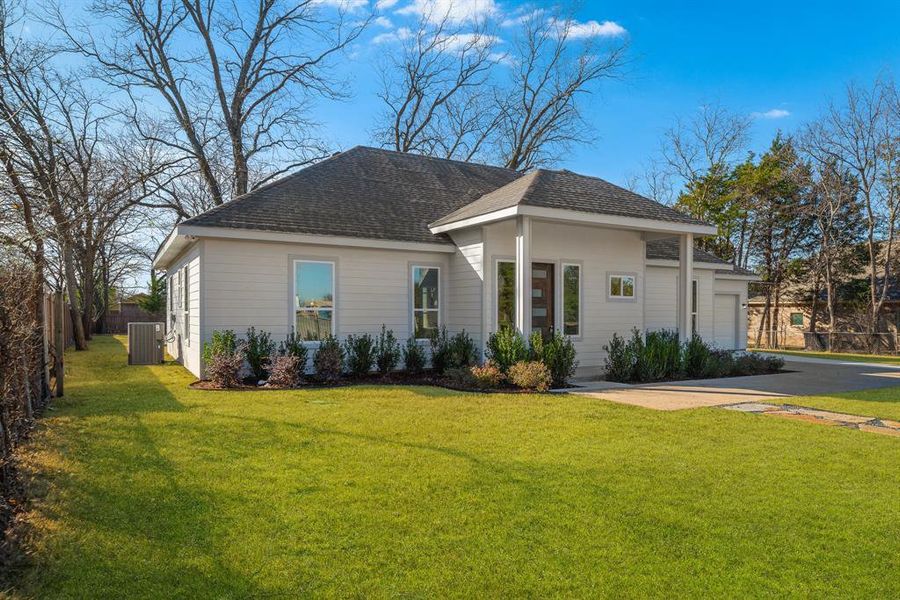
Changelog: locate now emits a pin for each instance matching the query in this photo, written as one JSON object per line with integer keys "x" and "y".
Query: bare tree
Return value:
{"x": 860, "y": 135}
{"x": 234, "y": 81}
{"x": 435, "y": 91}
{"x": 553, "y": 69}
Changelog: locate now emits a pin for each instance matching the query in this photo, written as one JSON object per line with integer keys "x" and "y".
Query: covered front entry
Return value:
{"x": 542, "y": 298}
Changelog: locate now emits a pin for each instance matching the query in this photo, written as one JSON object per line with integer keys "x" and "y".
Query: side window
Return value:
{"x": 426, "y": 301}
{"x": 571, "y": 299}
{"x": 313, "y": 299}
{"x": 694, "y": 307}
{"x": 506, "y": 294}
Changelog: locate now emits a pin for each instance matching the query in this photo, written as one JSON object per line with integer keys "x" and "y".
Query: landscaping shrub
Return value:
{"x": 284, "y": 371}
{"x": 696, "y": 358}
{"x": 293, "y": 346}
{"x": 461, "y": 377}
{"x": 463, "y": 351}
{"x": 360, "y": 353}
{"x": 440, "y": 351}
{"x": 557, "y": 352}
{"x": 487, "y": 376}
{"x": 222, "y": 342}
{"x": 257, "y": 350}
{"x": 661, "y": 357}
{"x": 387, "y": 351}
{"x": 222, "y": 367}
{"x": 505, "y": 348}
{"x": 619, "y": 359}
{"x": 720, "y": 364}
{"x": 754, "y": 364}
{"x": 413, "y": 357}
{"x": 328, "y": 361}
{"x": 637, "y": 351}
{"x": 530, "y": 375}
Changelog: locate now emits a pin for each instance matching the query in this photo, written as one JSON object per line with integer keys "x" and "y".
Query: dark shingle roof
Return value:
{"x": 363, "y": 192}
{"x": 570, "y": 191}
{"x": 667, "y": 249}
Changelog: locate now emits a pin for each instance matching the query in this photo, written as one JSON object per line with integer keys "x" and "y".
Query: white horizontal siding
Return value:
{"x": 186, "y": 348}
{"x": 248, "y": 284}
{"x": 464, "y": 308}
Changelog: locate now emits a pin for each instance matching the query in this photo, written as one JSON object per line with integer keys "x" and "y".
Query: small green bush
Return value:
{"x": 754, "y": 364}
{"x": 661, "y": 358}
{"x": 505, "y": 348}
{"x": 619, "y": 359}
{"x": 222, "y": 342}
{"x": 360, "y": 353}
{"x": 414, "y": 358}
{"x": 530, "y": 375}
{"x": 440, "y": 351}
{"x": 696, "y": 358}
{"x": 387, "y": 351}
{"x": 294, "y": 346}
{"x": 487, "y": 376}
{"x": 557, "y": 352}
{"x": 463, "y": 351}
{"x": 257, "y": 350}
{"x": 328, "y": 361}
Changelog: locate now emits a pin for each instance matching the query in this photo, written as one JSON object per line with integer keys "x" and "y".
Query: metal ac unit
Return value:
{"x": 145, "y": 343}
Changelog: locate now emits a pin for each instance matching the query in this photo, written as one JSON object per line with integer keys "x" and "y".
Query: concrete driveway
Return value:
{"x": 807, "y": 377}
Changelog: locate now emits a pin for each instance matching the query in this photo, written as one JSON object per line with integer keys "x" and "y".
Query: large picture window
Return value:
{"x": 426, "y": 301}
{"x": 571, "y": 289}
{"x": 506, "y": 294}
{"x": 313, "y": 299}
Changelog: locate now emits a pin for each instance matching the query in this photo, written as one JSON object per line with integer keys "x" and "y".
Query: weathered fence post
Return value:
{"x": 59, "y": 340}
{"x": 46, "y": 334}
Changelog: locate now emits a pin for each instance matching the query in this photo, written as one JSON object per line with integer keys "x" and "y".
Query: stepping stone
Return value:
{"x": 832, "y": 416}
{"x": 881, "y": 430}
{"x": 753, "y": 407}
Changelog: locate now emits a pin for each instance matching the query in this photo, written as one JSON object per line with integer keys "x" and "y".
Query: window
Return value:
{"x": 621, "y": 286}
{"x": 571, "y": 299}
{"x": 171, "y": 278}
{"x": 506, "y": 294}
{"x": 426, "y": 301}
{"x": 694, "y": 307}
{"x": 186, "y": 304}
{"x": 313, "y": 299}
{"x": 797, "y": 319}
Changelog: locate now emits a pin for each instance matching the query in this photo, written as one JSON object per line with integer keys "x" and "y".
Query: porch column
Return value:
{"x": 523, "y": 275}
{"x": 685, "y": 279}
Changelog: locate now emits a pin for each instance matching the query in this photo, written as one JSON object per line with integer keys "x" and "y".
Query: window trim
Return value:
{"x": 634, "y": 286}
{"x": 791, "y": 319}
{"x": 292, "y": 293}
{"x": 562, "y": 291}
{"x": 412, "y": 299}
{"x": 186, "y": 304}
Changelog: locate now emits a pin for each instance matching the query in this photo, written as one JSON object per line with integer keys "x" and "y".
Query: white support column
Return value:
{"x": 523, "y": 275}
{"x": 685, "y": 283}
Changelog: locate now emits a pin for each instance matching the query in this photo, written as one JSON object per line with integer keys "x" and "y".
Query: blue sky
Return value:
{"x": 789, "y": 57}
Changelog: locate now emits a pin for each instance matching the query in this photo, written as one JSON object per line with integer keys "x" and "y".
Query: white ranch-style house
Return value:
{"x": 371, "y": 237}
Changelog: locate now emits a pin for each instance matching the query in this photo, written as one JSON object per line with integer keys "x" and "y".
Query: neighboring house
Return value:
{"x": 371, "y": 237}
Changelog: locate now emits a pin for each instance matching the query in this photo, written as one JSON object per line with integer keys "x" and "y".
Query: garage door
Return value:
{"x": 725, "y": 325}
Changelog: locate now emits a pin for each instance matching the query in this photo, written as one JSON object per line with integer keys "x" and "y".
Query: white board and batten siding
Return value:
{"x": 183, "y": 327}
{"x": 731, "y": 296}
{"x": 661, "y": 304}
{"x": 466, "y": 274}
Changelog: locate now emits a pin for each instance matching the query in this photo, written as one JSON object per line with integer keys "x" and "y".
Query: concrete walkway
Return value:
{"x": 806, "y": 377}
{"x": 821, "y": 417}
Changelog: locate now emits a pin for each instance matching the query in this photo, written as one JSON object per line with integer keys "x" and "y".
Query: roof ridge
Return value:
{"x": 437, "y": 158}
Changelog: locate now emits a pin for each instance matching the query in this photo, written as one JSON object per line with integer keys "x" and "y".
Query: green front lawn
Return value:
{"x": 866, "y": 358}
{"x": 151, "y": 489}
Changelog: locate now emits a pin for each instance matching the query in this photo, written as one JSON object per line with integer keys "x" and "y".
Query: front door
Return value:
{"x": 542, "y": 298}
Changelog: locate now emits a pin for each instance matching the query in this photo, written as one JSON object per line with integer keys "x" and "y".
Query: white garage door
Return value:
{"x": 725, "y": 326}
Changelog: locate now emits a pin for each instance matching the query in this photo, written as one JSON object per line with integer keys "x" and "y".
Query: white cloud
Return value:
{"x": 518, "y": 19}
{"x": 774, "y": 113}
{"x": 385, "y": 4}
{"x": 402, "y": 33}
{"x": 592, "y": 29}
{"x": 383, "y": 22}
{"x": 457, "y": 11}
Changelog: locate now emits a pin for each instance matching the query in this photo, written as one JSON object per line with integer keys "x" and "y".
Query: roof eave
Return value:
{"x": 577, "y": 217}
{"x": 174, "y": 244}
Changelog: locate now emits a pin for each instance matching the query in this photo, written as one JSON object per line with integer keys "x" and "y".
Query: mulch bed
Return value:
{"x": 374, "y": 379}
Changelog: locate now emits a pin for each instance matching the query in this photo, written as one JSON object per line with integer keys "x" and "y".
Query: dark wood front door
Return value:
{"x": 542, "y": 309}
